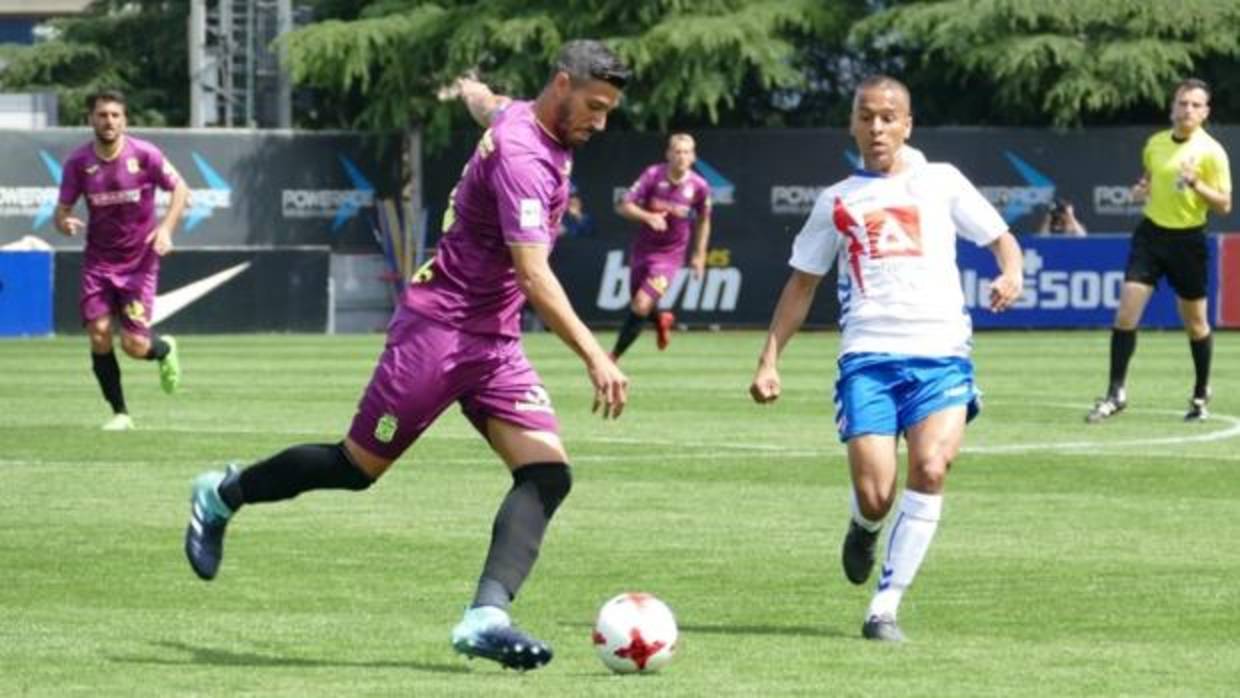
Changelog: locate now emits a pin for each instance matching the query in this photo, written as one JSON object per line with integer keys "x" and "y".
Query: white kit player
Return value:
{"x": 904, "y": 367}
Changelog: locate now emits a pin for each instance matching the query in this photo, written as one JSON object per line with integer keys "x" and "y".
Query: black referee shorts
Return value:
{"x": 1180, "y": 255}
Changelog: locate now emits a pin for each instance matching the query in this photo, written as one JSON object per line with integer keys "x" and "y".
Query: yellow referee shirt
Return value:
{"x": 1171, "y": 203}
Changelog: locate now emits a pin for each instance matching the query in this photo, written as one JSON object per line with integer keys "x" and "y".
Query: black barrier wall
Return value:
{"x": 257, "y": 188}
{"x": 212, "y": 291}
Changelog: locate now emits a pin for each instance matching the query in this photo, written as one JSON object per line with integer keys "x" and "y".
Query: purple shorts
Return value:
{"x": 427, "y": 366}
{"x": 128, "y": 294}
{"x": 653, "y": 272}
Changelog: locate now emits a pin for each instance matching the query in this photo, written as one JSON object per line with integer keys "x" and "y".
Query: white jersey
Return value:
{"x": 895, "y": 239}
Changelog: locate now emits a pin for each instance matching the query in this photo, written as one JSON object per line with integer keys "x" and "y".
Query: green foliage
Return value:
{"x": 1062, "y": 61}
{"x": 691, "y": 59}
{"x": 137, "y": 47}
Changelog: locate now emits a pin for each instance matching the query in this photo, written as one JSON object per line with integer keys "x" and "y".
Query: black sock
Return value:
{"x": 1202, "y": 350}
{"x": 1123, "y": 344}
{"x": 158, "y": 349}
{"x": 108, "y": 372}
{"x": 291, "y": 472}
{"x": 628, "y": 332}
{"x": 516, "y": 535}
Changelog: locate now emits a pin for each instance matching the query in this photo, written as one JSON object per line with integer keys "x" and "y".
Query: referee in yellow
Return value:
{"x": 1186, "y": 176}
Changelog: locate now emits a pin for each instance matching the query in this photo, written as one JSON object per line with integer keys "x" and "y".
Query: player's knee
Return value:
{"x": 930, "y": 474}
{"x": 552, "y": 480}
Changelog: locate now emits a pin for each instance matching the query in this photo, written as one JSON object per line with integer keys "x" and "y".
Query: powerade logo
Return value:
{"x": 789, "y": 199}
{"x": 1116, "y": 200}
{"x": 1051, "y": 289}
{"x": 1017, "y": 202}
{"x": 722, "y": 191}
{"x": 40, "y": 202}
{"x": 337, "y": 204}
{"x": 203, "y": 201}
{"x": 35, "y": 202}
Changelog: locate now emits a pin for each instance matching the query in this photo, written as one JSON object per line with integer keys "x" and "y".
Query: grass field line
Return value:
{"x": 1230, "y": 432}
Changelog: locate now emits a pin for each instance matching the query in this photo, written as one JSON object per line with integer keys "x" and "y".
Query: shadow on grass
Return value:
{"x": 221, "y": 657}
{"x": 768, "y": 630}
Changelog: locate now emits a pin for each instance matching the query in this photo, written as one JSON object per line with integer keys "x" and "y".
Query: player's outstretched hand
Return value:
{"x": 1004, "y": 291}
{"x": 765, "y": 387}
{"x": 657, "y": 220}
{"x": 611, "y": 387}
{"x": 72, "y": 226}
{"x": 161, "y": 239}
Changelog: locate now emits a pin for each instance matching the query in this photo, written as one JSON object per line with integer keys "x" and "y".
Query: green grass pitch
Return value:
{"x": 1072, "y": 560}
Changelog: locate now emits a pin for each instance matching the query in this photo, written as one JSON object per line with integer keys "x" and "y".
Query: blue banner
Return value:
{"x": 25, "y": 293}
{"x": 1068, "y": 283}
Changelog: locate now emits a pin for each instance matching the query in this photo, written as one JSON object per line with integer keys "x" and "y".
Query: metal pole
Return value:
{"x": 197, "y": 45}
{"x": 284, "y": 97}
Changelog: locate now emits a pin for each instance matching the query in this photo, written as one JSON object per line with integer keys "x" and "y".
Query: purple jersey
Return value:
{"x": 513, "y": 192}
{"x": 120, "y": 198}
{"x": 685, "y": 203}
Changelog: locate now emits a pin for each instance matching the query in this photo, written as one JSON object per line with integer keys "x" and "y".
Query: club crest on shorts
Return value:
{"x": 536, "y": 399}
{"x": 385, "y": 429}
{"x": 659, "y": 283}
{"x": 134, "y": 310}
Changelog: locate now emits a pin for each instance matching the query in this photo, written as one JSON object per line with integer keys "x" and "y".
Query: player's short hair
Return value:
{"x": 883, "y": 81}
{"x": 680, "y": 137}
{"x": 587, "y": 59}
{"x": 1191, "y": 84}
{"x": 105, "y": 96}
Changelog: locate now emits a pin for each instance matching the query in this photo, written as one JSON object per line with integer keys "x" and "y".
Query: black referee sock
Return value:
{"x": 1123, "y": 345}
{"x": 628, "y": 332}
{"x": 517, "y": 534}
{"x": 108, "y": 373}
{"x": 291, "y": 472}
{"x": 1202, "y": 350}
{"x": 158, "y": 349}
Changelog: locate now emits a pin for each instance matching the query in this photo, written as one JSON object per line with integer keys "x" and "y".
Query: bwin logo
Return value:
{"x": 1017, "y": 202}
{"x": 338, "y": 204}
{"x": 717, "y": 290}
{"x": 722, "y": 191}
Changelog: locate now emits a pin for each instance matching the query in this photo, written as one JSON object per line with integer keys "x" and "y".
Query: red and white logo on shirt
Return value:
{"x": 894, "y": 231}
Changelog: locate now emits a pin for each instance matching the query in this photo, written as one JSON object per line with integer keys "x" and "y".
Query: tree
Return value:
{"x": 88, "y": 54}
{"x": 1063, "y": 62}
{"x": 691, "y": 59}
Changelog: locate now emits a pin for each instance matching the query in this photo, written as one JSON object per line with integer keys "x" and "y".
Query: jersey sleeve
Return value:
{"x": 70, "y": 183}
{"x": 976, "y": 220}
{"x": 639, "y": 193}
{"x": 523, "y": 185}
{"x": 1216, "y": 170}
{"x": 161, "y": 171}
{"x": 816, "y": 247}
{"x": 701, "y": 207}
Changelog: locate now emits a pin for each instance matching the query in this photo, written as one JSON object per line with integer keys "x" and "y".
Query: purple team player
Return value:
{"x": 118, "y": 175}
{"x": 455, "y": 338}
{"x": 670, "y": 201}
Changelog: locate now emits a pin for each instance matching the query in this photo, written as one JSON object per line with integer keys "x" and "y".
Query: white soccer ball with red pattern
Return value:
{"x": 635, "y": 633}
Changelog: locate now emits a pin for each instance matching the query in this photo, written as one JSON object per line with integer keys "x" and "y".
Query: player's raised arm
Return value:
{"x": 790, "y": 313}
{"x": 481, "y": 102}
{"x": 543, "y": 290}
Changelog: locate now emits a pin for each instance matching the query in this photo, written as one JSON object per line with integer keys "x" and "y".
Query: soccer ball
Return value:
{"x": 635, "y": 633}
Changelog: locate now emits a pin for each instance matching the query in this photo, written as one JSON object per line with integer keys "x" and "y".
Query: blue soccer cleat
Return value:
{"x": 487, "y": 632}
{"x": 208, "y": 517}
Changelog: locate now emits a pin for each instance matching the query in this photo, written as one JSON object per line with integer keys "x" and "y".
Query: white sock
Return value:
{"x": 916, "y": 522}
{"x": 871, "y": 526}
